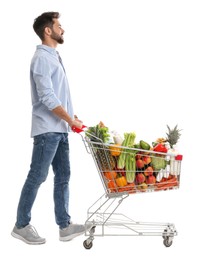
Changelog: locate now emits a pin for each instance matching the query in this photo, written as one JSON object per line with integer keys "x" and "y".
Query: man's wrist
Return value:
{"x": 70, "y": 122}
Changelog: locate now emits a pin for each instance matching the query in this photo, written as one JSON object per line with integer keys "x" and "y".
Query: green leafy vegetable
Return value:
{"x": 98, "y": 133}
{"x": 158, "y": 163}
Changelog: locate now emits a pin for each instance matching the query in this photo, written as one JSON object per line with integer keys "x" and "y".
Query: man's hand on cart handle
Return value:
{"x": 77, "y": 125}
{"x": 78, "y": 130}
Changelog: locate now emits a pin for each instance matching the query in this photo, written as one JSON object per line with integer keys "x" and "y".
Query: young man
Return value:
{"x": 52, "y": 119}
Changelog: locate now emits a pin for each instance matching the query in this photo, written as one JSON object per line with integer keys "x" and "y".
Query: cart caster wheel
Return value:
{"x": 167, "y": 242}
{"x": 165, "y": 230}
{"x": 87, "y": 244}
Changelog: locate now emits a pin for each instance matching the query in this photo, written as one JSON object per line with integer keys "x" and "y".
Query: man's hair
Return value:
{"x": 43, "y": 21}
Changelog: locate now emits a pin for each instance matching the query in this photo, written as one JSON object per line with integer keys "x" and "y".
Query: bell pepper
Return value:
{"x": 121, "y": 180}
{"x": 160, "y": 148}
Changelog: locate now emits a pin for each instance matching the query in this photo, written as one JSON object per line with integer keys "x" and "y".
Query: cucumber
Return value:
{"x": 144, "y": 145}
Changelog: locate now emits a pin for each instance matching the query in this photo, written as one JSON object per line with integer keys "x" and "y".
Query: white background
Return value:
{"x": 131, "y": 64}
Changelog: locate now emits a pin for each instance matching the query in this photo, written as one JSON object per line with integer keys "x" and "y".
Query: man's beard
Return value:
{"x": 57, "y": 37}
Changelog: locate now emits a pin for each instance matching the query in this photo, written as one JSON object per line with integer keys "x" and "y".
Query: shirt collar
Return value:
{"x": 47, "y": 48}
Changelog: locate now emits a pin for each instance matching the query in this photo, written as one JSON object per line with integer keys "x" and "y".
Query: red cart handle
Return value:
{"x": 78, "y": 130}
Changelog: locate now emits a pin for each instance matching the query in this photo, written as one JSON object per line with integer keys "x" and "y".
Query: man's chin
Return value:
{"x": 61, "y": 41}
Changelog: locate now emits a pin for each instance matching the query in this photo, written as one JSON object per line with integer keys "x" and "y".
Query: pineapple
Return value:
{"x": 105, "y": 160}
{"x": 100, "y": 135}
{"x": 173, "y": 135}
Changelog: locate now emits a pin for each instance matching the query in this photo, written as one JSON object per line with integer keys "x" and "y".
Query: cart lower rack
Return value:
{"x": 104, "y": 220}
{"x": 153, "y": 171}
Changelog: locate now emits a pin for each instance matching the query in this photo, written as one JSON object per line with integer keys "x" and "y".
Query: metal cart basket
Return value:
{"x": 157, "y": 172}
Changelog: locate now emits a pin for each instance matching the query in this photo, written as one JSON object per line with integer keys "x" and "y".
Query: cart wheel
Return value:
{"x": 87, "y": 244}
{"x": 167, "y": 242}
{"x": 165, "y": 230}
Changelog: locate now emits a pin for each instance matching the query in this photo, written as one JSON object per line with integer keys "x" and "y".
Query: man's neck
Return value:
{"x": 52, "y": 44}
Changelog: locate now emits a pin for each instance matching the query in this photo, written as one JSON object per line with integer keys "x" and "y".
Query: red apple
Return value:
{"x": 151, "y": 179}
{"x": 139, "y": 163}
{"x": 140, "y": 178}
{"x": 146, "y": 159}
{"x": 148, "y": 171}
{"x": 138, "y": 156}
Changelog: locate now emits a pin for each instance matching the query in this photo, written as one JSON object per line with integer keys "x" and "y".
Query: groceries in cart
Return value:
{"x": 127, "y": 165}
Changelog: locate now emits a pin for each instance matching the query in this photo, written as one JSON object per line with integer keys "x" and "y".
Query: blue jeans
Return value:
{"x": 49, "y": 149}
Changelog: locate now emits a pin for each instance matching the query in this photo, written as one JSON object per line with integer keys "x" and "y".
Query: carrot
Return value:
{"x": 129, "y": 187}
{"x": 111, "y": 175}
{"x": 167, "y": 184}
{"x": 112, "y": 186}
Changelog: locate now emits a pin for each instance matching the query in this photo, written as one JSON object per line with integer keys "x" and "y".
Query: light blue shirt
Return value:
{"x": 49, "y": 89}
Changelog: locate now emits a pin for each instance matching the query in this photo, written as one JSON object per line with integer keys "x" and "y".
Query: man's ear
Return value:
{"x": 47, "y": 31}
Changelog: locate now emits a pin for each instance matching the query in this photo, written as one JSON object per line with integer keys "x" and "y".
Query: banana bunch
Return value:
{"x": 161, "y": 140}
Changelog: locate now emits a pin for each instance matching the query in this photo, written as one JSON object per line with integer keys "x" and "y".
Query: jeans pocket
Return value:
{"x": 39, "y": 142}
{"x": 39, "y": 139}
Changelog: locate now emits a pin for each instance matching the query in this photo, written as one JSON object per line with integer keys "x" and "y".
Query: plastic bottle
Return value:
{"x": 177, "y": 164}
{"x": 173, "y": 153}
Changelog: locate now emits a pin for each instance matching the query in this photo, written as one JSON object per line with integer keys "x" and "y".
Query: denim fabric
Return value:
{"x": 48, "y": 149}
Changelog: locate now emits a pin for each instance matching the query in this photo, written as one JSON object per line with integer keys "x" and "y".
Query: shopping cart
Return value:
{"x": 102, "y": 216}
